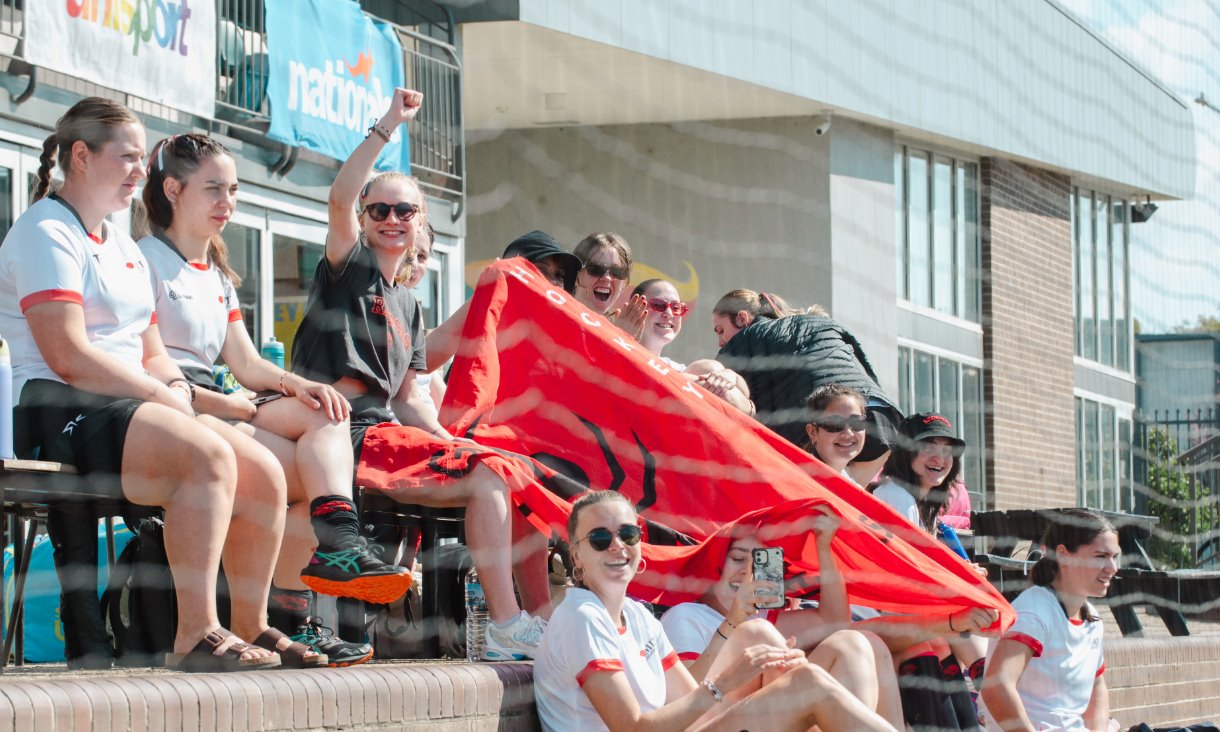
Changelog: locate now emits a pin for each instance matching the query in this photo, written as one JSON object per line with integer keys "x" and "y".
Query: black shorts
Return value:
{"x": 54, "y": 421}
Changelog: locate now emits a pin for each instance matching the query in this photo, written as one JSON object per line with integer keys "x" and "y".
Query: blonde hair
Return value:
{"x": 761, "y": 305}
{"x": 408, "y": 265}
{"x": 93, "y": 121}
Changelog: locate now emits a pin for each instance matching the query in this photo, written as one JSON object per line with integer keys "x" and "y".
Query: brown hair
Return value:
{"x": 592, "y": 243}
{"x": 583, "y": 501}
{"x": 408, "y": 263}
{"x": 820, "y": 399}
{"x": 1073, "y": 528}
{"x": 92, "y": 121}
{"x": 178, "y": 157}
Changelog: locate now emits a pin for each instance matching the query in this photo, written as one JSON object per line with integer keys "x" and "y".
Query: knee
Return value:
{"x": 813, "y": 680}
{"x": 758, "y": 630}
{"x": 881, "y": 652}
{"x": 213, "y": 462}
{"x": 267, "y": 474}
{"x": 851, "y": 644}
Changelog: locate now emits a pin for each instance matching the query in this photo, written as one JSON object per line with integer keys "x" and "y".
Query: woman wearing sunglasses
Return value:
{"x": 606, "y": 664}
{"x": 605, "y": 270}
{"x": 363, "y": 332}
{"x": 836, "y": 427}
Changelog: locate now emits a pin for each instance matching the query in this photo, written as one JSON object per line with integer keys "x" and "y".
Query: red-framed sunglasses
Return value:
{"x": 657, "y": 305}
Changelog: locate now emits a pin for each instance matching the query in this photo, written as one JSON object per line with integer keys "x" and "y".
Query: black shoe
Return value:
{"x": 355, "y": 572}
{"x": 339, "y": 652}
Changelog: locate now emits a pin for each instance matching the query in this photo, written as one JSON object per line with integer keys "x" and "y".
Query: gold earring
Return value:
{"x": 643, "y": 565}
{"x": 578, "y": 575}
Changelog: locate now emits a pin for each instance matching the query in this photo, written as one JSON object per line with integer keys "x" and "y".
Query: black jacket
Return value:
{"x": 784, "y": 360}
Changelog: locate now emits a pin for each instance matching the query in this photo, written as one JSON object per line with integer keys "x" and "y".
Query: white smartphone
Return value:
{"x": 769, "y": 567}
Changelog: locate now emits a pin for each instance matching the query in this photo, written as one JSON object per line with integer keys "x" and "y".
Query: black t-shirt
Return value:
{"x": 359, "y": 326}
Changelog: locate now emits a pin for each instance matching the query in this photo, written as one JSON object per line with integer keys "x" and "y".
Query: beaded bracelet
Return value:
{"x": 382, "y": 132}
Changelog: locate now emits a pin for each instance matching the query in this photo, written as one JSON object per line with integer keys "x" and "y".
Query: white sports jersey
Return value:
{"x": 49, "y": 256}
{"x": 898, "y": 499}
{"x": 195, "y": 304}
{"x": 580, "y": 640}
{"x": 1058, "y": 682}
{"x": 689, "y": 626}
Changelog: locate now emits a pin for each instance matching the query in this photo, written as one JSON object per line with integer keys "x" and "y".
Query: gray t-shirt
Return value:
{"x": 358, "y": 325}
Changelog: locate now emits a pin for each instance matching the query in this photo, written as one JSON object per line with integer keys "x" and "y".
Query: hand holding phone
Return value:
{"x": 768, "y": 567}
{"x": 264, "y": 398}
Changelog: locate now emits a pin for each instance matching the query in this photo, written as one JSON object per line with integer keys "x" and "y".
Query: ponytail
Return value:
{"x": 1070, "y": 528}
{"x": 46, "y": 161}
{"x": 92, "y": 121}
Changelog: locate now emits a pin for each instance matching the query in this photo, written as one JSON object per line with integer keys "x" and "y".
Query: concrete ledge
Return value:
{"x": 383, "y": 696}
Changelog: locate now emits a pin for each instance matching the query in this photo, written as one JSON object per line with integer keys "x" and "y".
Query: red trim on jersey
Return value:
{"x": 96, "y": 239}
{"x": 688, "y": 656}
{"x": 202, "y": 266}
{"x": 1033, "y": 643}
{"x": 597, "y": 664}
{"x": 154, "y": 318}
{"x": 38, "y": 298}
{"x": 1101, "y": 670}
{"x": 1076, "y": 621}
{"x": 773, "y": 614}
{"x": 623, "y": 630}
{"x": 234, "y": 316}
{"x": 668, "y": 662}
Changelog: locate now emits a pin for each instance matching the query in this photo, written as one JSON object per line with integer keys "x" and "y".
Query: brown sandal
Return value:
{"x": 295, "y": 655}
{"x": 203, "y": 658}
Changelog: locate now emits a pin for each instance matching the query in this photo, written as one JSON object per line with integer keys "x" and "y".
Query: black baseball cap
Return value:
{"x": 926, "y": 425}
{"x": 537, "y": 246}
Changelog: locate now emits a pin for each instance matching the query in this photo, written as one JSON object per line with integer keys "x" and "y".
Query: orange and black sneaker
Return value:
{"x": 355, "y": 572}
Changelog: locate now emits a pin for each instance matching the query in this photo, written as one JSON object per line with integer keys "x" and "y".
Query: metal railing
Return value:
{"x": 12, "y": 18}
{"x": 1177, "y": 477}
{"x": 431, "y": 66}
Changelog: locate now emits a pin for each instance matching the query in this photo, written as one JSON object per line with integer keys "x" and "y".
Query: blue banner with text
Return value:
{"x": 333, "y": 71}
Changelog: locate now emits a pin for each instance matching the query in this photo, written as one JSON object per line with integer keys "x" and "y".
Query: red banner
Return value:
{"x": 541, "y": 375}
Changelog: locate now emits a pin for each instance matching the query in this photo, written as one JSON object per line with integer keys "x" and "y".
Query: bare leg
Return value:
{"x": 170, "y": 461}
{"x": 848, "y": 656}
{"x": 299, "y": 540}
{"x": 530, "y": 567}
{"x": 255, "y": 529}
{"x": 889, "y": 702}
{"x": 804, "y": 696}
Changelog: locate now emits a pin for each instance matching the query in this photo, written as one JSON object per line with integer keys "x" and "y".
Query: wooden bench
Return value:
{"x": 30, "y": 488}
{"x": 1139, "y": 582}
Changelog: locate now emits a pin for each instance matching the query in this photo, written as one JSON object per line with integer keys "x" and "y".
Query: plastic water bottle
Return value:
{"x": 476, "y": 616}
{"x": 273, "y": 351}
{"x": 6, "y": 402}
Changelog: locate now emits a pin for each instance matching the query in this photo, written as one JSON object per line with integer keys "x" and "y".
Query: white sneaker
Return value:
{"x": 516, "y": 641}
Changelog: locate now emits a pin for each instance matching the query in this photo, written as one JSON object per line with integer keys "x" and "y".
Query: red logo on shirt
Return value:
{"x": 395, "y": 326}
{"x": 378, "y": 305}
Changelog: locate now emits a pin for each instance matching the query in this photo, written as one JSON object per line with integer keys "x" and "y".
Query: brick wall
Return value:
{"x": 1165, "y": 682}
{"x": 1028, "y": 336}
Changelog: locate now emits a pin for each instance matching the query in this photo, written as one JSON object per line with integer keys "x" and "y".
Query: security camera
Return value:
{"x": 823, "y": 125}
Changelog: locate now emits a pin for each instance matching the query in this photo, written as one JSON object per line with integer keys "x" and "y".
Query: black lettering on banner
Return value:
{"x": 878, "y": 530}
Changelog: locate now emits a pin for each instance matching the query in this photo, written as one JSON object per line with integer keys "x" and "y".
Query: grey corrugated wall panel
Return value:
{"x": 1020, "y": 79}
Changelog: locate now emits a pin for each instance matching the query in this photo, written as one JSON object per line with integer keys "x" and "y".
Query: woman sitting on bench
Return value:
{"x": 190, "y": 195}
{"x": 98, "y": 390}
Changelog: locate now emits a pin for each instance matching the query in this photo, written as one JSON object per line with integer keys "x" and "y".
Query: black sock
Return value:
{"x": 334, "y": 522}
{"x": 288, "y": 610}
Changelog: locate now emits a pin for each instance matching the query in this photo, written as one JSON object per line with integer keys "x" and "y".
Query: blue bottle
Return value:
{"x": 273, "y": 351}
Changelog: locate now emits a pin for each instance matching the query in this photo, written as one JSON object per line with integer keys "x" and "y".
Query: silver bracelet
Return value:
{"x": 711, "y": 686}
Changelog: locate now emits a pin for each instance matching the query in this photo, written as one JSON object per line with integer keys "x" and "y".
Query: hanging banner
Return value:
{"x": 160, "y": 50}
{"x": 333, "y": 73}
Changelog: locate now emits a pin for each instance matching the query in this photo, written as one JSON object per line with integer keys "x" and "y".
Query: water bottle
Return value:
{"x": 6, "y": 402}
{"x": 273, "y": 351}
{"x": 476, "y": 616}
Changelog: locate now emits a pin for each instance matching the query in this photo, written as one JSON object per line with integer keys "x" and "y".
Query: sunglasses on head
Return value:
{"x": 598, "y": 271}
{"x": 855, "y": 423}
{"x": 381, "y": 211}
{"x": 657, "y": 305}
{"x": 600, "y": 538}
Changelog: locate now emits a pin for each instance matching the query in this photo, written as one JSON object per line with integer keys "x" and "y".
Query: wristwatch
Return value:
{"x": 711, "y": 686}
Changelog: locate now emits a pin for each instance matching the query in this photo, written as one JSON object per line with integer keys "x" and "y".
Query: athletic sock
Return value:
{"x": 287, "y": 610}
{"x": 335, "y": 522}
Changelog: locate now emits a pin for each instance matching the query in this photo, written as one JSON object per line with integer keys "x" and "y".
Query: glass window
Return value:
{"x": 1118, "y": 250}
{"x": 943, "y": 261}
{"x": 919, "y": 266}
{"x": 1108, "y": 485}
{"x": 1126, "y": 498}
{"x": 1080, "y": 440}
{"x": 904, "y": 380}
{"x": 295, "y": 261}
{"x": 430, "y": 292}
{"x": 242, "y": 242}
{"x": 6, "y": 201}
{"x": 900, "y": 234}
{"x": 1088, "y": 334}
{"x": 949, "y": 403}
{"x": 1092, "y": 468}
{"x": 1105, "y": 326}
{"x": 967, "y": 241}
{"x": 975, "y": 459}
{"x": 925, "y": 383}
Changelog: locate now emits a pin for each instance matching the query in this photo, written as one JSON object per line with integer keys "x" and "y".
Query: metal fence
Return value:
{"x": 431, "y": 66}
{"x": 1177, "y": 478}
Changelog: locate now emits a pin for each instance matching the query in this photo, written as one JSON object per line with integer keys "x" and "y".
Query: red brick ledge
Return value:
{"x": 434, "y": 696}
{"x": 1164, "y": 681}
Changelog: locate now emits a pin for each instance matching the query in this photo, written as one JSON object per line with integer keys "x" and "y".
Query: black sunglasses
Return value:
{"x": 600, "y": 538}
{"x": 381, "y": 211}
{"x": 599, "y": 271}
{"x": 855, "y": 423}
